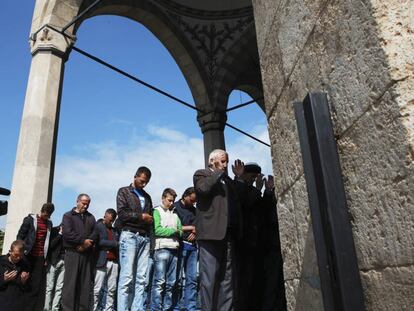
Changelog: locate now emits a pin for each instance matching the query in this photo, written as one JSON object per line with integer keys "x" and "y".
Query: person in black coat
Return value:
{"x": 14, "y": 273}
{"x": 35, "y": 232}
{"x": 218, "y": 226}
{"x": 106, "y": 273}
{"x": 78, "y": 240}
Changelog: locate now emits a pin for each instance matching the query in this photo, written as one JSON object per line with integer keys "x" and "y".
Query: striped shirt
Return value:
{"x": 39, "y": 245}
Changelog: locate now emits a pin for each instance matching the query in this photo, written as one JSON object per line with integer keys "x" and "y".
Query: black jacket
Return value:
{"x": 11, "y": 292}
{"x": 77, "y": 228}
{"x": 187, "y": 216}
{"x": 27, "y": 233}
{"x": 104, "y": 244}
{"x": 55, "y": 246}
{"x": 130, "y": 210}
{"x": 219, "y": 205}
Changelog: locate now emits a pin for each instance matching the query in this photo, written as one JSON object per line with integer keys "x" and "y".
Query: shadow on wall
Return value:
{"x": 309, "y": 294}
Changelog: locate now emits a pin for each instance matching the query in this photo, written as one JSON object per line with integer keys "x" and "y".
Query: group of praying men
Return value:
{"x": 218, "y": 242}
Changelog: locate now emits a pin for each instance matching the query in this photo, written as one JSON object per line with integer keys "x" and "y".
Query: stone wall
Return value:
{"x": 361, "y": 53}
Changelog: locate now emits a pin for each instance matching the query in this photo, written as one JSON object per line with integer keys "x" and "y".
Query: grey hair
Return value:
{"x": 214, "y": 154}
{"x": 80, "y": 196}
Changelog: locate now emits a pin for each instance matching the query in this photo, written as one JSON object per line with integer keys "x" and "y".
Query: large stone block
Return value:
{"x": 264, "y": 15}
{"x": 272, "y": 73}
{"x": 378, "y": 171}
{"x": 289, "y": 237}
{"x": 291, "y": 289}
{"x": 389, "y": 289}
{"x": 395, "y": 20}
{"x": 293, "y": 24}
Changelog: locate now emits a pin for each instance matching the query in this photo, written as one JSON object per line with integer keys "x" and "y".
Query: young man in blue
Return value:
{"x": 134, "y": 207}
{"x": 187, "y": 291}
{"x": 167, "y": 234}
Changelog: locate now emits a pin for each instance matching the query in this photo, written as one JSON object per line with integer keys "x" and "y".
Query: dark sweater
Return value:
{"x": 187, "y": 215}
{"x": 11, "y": 292}
{"x": 104, "y": 244}
{"x": 77, "y": 228}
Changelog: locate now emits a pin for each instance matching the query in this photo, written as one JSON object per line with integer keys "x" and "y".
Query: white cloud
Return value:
{"x": 172, "y": 156}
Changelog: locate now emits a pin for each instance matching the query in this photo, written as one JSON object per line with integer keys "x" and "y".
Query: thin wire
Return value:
{"x": 102, "y": 62}
{"x": 244, "y": 104}
{"x": 80, "y": 15}
{"x": 122, "y": 72}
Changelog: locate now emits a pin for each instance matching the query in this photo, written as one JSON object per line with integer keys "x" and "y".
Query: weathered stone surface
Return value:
{"x": 390, "y": 289}
{"x": 289, "y": 237}
{"x": 56, "y": 13}
{"x": 272, "y": 69}
{"x": 294, "y": 23}
{"x": 395, "y": 21}
{"x": 291, "y": 288}
{"x": 355, "y": 51}
{"x": 282, "y": 131}
{"x": 264, "y": 15}
{"x": 378, "y": 170}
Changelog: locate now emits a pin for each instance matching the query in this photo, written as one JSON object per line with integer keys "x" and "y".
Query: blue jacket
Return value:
{"x": 104, "y": 245}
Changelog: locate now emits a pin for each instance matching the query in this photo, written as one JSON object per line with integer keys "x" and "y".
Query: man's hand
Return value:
{"x": 147, "y": 218}
{"x": 259, "y": 181}
{"x": 191, "y": 237}
{"x": 8, "y": 276}
{"x": 24, "y": 276}
{"x": 269, "y": 183}
{"x": 80, "y": 249}
{"x": 238, "y": 168}
{"x": 87, "y": 243}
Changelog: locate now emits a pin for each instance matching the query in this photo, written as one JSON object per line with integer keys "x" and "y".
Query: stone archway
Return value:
{"x": 198, "y": 37}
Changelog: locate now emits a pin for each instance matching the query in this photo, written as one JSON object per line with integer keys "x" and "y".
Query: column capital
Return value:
{"x": 49, "y": 39}
{"x": 212, "y": 120}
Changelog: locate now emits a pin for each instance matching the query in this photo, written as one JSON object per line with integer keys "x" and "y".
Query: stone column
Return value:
{"x": 212, "y": 126}
{"x": 35, "y": 158}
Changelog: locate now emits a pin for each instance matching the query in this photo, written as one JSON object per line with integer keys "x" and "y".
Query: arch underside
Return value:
{"x": 216, "y": 53}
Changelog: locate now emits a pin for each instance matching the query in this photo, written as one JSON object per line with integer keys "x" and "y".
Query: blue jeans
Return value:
{"x": 165, "y": 270}
{"x": 133, "y": 259}
{"x": 187, "y": 275}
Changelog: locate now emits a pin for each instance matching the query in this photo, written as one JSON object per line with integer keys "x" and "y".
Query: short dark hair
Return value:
{"x": 18, "y": 244}
{"x": 143, "y": 170}
{"x": 112, "y": 212}
{"x": 252, "y": 167}
{"x": 48, "y": 208}
{"x": 170, "y": 192}
{"x": 82, "y": 195}
{"x": 187, "y": 192}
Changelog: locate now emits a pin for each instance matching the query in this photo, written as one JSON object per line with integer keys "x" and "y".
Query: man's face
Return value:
{"x": 108, "y": 220}
{"x": 220, "y": 162}
{"x": 140, "y": 181}
{"x": 44, "y": 215}
{"x": 82, "y": 204}
{"x": 190, "y": 200}
{"x": 16, "y": 255}
{"x": 168, "y": 200}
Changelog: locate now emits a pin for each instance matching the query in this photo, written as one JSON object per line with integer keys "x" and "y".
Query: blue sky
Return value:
{"x": 110, "y": 125}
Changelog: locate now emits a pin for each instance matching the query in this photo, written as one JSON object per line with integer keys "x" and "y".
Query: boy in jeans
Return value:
{"x": 167, "y": 233}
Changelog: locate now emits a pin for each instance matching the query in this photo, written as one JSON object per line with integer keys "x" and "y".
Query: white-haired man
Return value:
{"x": 218, "y": 226}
